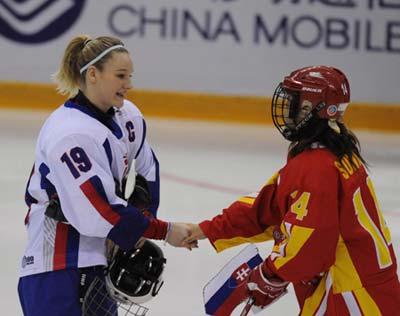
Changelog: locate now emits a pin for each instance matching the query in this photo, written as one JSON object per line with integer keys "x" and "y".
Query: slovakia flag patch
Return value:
{"x": 228, "y": 288}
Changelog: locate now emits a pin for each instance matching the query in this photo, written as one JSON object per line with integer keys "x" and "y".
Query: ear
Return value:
{"x": 91, "y": 74}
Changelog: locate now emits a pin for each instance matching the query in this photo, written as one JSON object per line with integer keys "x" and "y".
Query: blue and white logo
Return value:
{"x": 36, "y": 21}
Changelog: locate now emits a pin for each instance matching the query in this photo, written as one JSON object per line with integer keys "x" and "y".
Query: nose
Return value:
{"x": 128, "y": 84}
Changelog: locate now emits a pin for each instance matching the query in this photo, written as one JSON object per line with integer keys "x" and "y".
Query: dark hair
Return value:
{"x": 340, "y": 144}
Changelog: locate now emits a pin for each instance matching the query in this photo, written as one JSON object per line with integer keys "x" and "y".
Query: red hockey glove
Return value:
{"x": 263, "y": 288}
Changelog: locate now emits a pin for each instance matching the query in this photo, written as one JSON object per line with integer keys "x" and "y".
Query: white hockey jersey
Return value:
{"x": 82, "y": 155}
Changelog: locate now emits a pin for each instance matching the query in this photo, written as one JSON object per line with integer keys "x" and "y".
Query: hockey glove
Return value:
{"x": 54, "y": 211}
{"x": 141, "y": 196}
{"x": 265, "y": 288}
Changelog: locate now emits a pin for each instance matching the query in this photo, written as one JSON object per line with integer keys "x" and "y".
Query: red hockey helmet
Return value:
{"x": 317, "y": 92}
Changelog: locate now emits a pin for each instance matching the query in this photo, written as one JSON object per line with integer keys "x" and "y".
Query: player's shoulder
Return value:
{"x": 317, "y": 160}
{"x": 65, "y": 123}
{"x": 130, "y": 109}
{"x": 76, "y": 121}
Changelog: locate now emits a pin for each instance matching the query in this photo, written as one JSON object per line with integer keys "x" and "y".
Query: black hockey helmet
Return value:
{"x": 135, "y": 276}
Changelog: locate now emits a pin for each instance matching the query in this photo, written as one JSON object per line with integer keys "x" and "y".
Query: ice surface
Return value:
{"x": 204, "y": 167}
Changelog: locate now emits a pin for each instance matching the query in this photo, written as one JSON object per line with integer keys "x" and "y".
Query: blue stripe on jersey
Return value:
{"x": 143, "y": 138}
{"x": 107, "y": 148}
{"x": 29, "y": 199}
{"x": 154, "y": 187}
{"x": 45, "y": 183}
{"x": 116, "y": 130}
{"x": 98, "y": 185}
{"x": 72, "y": 248}
{"x": 110, "y": 124}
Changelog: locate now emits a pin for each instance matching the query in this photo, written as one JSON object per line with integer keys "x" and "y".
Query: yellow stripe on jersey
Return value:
{"x": 273, "y": 179}
{"x": 222, "y": 244}
{"x": 298, "y": 237}
{"x": 364, "y": 218}
{"x": 367, "y": 304}
{"x": 312, "y": 303}
{"x": 247, "y": 200}
{"x": 384, "y": 227}
{"x": 344, "y": 275}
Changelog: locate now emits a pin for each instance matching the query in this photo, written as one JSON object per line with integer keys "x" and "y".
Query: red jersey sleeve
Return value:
{"x": 309, "y": 191}
{"x": 252, "y": 218}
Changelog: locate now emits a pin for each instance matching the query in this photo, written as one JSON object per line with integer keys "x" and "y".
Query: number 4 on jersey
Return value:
{"x": 299, "y": 207}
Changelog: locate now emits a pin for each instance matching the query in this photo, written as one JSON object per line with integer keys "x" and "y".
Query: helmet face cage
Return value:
{"x": 307, "y": 95}
{"x": 285, "y": 107}
{"x": 99, "y": 301}
{"x": 136, "y": 276}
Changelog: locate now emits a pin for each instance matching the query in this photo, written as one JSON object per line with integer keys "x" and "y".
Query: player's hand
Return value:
{"x": 177, "y": 233}
{"x": 265, "y": 288}
{"x": 195, "y": 234}
{"x": 140, "y": 197}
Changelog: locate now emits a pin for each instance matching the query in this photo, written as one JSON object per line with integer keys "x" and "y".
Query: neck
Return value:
{"x": 83, "y": 100}
{"x": 93, "y": 99}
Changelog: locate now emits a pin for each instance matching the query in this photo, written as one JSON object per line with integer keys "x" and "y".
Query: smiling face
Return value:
{"x": 108, "y": 87}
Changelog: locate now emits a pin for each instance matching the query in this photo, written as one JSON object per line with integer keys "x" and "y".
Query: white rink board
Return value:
{"x": 238, "y": 47}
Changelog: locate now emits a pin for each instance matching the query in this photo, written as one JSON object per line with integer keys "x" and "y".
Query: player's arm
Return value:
{"x": 307, "y": 244}
{"x": 310, "y": 229}
{"x": 147, "y": 165}
{"x": 250, "y": 219}
{"x": 79, "y": 169}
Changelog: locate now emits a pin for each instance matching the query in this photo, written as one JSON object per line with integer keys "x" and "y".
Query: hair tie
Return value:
{"x": 86, "y": 42}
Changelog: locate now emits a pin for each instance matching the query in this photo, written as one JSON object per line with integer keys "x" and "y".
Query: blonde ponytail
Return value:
{"x": 68, "y": 77}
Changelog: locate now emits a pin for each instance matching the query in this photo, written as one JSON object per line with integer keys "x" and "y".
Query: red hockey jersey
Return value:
{"x": 331, "y": 240}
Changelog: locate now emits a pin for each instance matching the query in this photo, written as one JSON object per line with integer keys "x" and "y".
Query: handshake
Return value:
{"x": 260, "y": 287}
{"x": 185, "y": 235}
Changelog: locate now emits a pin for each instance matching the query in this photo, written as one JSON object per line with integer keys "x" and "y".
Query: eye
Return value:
{"x": 121, "y": 76}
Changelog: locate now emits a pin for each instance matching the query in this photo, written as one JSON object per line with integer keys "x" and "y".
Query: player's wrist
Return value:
{"x": 157, "y": 229}
{"x": 269, "y": 276}
{"x": 204, "y": 229}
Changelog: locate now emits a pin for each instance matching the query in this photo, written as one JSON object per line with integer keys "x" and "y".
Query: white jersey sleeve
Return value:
{"x": 146, "y": 162}
{"x": 85, "y": 186}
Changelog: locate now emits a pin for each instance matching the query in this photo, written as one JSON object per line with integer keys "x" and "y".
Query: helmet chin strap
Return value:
{"x": 333, "y": 125}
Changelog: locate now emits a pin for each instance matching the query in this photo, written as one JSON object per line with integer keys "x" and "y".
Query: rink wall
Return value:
{"x": 211, "y": 59}
{"x": 161, "y": 104}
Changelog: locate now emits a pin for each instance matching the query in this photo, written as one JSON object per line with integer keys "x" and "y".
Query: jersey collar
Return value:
{"x": 83, "y": 104}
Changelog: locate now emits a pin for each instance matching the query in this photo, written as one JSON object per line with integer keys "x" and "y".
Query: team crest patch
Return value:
{"x": 332, "y": 110}
{"x": 240, "y": 275}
